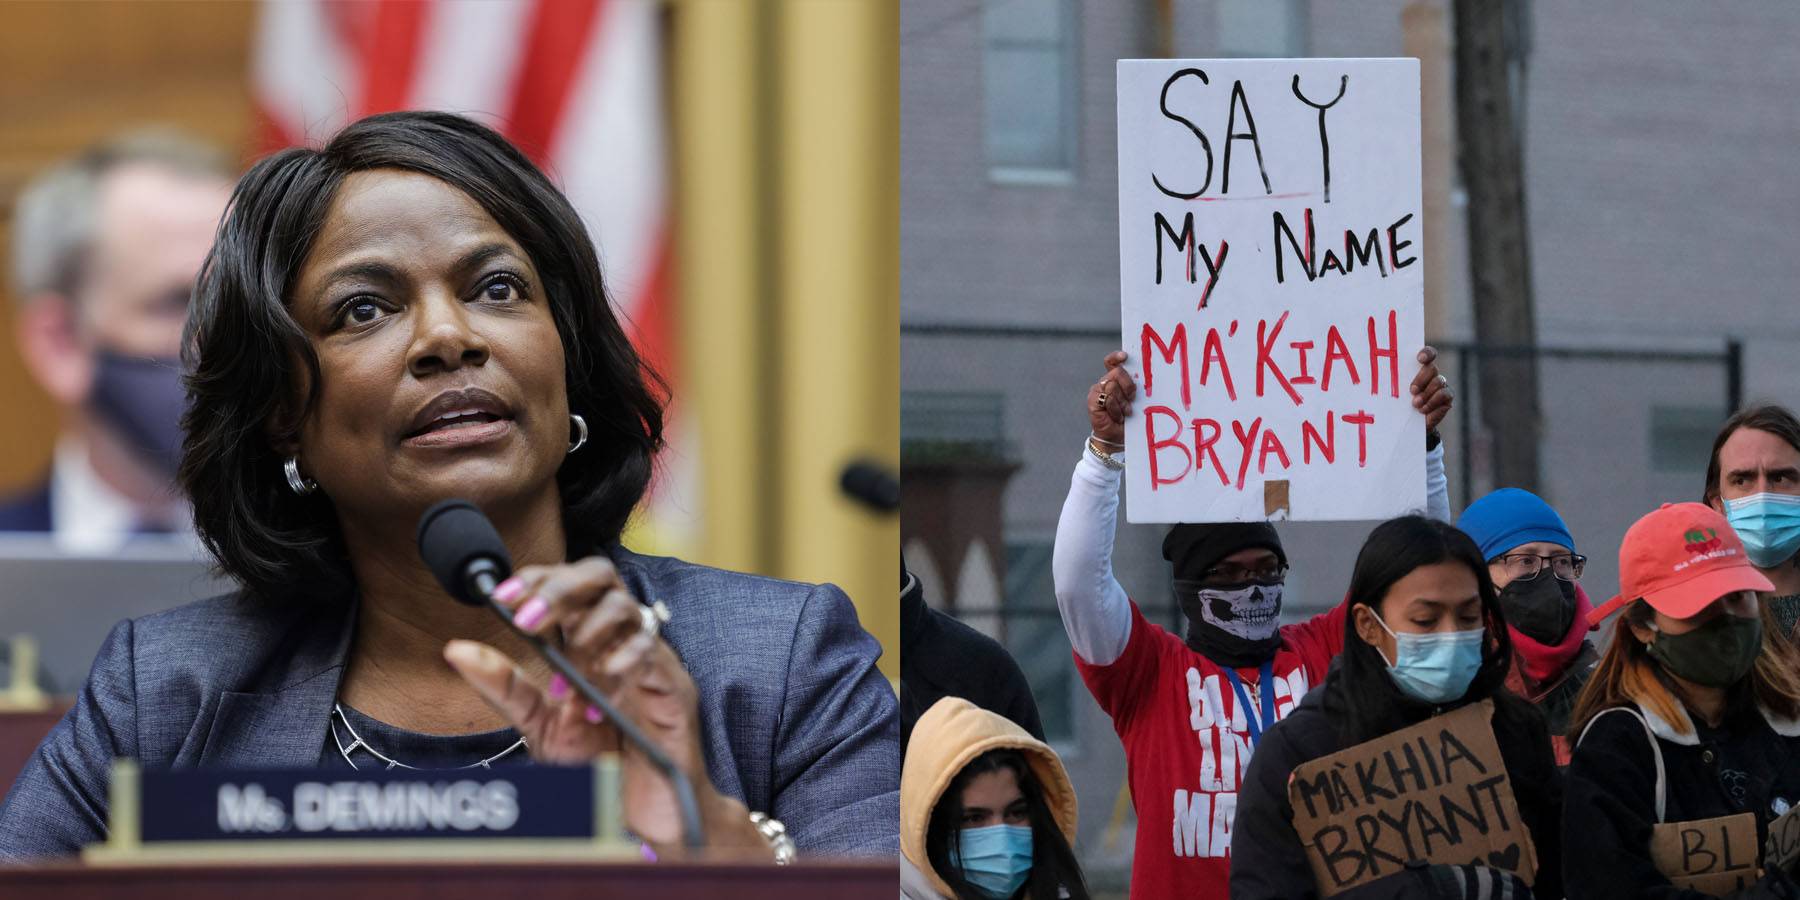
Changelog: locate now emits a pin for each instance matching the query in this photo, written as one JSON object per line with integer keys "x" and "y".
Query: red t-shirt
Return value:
{"x": 1187, "y": 743}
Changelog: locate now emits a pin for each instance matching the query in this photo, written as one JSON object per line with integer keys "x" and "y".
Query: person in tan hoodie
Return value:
{"x": 986, "y": 811}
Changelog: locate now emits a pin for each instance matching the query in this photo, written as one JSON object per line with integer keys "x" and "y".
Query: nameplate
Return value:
{"x": 574, "y": 808}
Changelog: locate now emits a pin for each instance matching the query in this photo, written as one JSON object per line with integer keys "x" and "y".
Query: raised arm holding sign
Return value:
{"x": 1190, "y": 709}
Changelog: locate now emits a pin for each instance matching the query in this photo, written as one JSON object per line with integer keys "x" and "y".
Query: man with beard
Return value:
{"x": 105, "y": 250}
{"x": 1190, "y": 710}
{"x": 1531, "y": 557}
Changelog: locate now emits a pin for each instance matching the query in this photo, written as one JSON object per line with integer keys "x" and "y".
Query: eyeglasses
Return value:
{"x": 1231, "y": 573}
{"x": 1526, "y": 566}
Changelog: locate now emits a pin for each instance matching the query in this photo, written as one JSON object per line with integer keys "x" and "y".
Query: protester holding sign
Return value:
{"x": 986, "y": 811}
{"x": 1531, "y": 557}
{"x": 1692, "y": 717}
{"x": 1190, "y": 711}
{"x": 1424, "y": 636}
{"x": 1754, "y": 479}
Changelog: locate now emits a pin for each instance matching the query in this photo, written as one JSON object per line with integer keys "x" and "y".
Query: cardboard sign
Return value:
{"x": 1437, "y": 792}
{"x": 1712, "y": 856}
{"x": 1271, "y": 288}
{"x": 1783, "y": 847}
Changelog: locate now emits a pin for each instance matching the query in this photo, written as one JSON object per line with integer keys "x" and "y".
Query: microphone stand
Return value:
{"x": 483, "y": 575}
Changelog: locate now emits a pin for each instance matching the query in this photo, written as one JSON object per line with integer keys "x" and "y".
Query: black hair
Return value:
{"x": 1053, "y": 869}
{"x": 244, "y": 349}
{"x": 1370, "y": 704}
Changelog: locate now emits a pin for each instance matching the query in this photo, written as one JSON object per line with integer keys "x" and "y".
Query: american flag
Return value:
{"x": 576, "y": 84}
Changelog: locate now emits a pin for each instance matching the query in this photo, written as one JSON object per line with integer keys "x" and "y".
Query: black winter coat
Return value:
{"x": 1749, "y": 764}
{"x": 946, "y": 658}
{"x": 1267, "y": 859}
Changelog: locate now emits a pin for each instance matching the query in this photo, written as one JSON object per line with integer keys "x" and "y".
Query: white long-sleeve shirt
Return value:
{"x": 1095, "y": 610}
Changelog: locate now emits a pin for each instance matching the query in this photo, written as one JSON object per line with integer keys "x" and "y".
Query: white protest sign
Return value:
{"x": 1272, "y": 288}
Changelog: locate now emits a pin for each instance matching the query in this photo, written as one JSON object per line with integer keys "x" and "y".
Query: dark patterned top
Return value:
{"x": 412, "y": 748}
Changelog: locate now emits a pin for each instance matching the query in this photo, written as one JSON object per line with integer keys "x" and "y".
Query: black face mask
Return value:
{"x": 1542, "y": 608}
{"x": 142, "y": 399}
{"x": 1233, "y": 625}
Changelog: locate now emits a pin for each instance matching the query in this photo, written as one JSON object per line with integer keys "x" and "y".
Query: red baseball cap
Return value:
{"x": 1680, "y": 558}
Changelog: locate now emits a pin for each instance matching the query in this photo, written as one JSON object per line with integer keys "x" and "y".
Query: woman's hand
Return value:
{"x": 585, "y": 607}
{"x": 1109, "y": 401}
{"x": 1431, "y": 391}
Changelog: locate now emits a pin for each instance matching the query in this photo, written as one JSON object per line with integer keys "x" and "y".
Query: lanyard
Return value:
{"x": 1267, "y": 688}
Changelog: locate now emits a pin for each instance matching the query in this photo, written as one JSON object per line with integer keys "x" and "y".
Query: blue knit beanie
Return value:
{"x": 1511, "y": 517}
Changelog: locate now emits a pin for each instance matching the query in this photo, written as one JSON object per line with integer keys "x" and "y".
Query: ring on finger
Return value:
{"x": 1442, "y": 381}
{"x": 653, "y": 617}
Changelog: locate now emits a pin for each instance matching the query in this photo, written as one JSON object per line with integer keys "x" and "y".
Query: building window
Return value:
{"x": 1262, "y": 28}
{"x": 1035, "y": 636}
{"x": 1681, "y": 438}
{"x": 1030, "y": 73}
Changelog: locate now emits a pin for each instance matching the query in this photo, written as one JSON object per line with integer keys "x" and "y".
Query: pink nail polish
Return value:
{"x": 593, "y": 715}
{"x": 531, "y": 613}
{"x": 559, "y": 687}
{"x": 509, "y": 590}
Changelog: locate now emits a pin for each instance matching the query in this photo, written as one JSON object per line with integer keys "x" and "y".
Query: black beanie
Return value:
{"x": 1195, "y": 548}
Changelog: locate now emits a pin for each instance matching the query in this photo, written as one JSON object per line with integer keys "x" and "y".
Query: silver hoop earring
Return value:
{"x": 296, "y": 483}
{"x": 580, "y": 432}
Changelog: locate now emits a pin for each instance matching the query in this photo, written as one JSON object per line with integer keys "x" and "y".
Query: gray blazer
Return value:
{"x": 797, "y": 721}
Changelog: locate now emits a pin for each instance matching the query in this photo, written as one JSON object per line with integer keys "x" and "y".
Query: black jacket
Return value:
{"x": 943, "y": 657}
{"x": 1743, "y": 766}
{"x": 1267, "y": 859}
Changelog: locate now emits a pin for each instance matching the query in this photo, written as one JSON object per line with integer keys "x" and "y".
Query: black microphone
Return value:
{"x": 872, "y": 485}
{"x": 466, "y": 556}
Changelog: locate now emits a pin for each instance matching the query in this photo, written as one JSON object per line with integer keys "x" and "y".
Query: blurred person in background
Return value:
{"x": 947, "y": 658}
{"x": 1190, "y": 709}
{"x": 105, "y": 250}
{"x": 1692, "y": 714}
{"x": 986, "y": 811}
{"x": 1531, "y": 558}
{"x": 1753, "y": 478}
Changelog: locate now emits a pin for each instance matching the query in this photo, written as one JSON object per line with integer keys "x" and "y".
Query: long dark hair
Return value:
{"x": 1367, "y": 702}
{"x": 1626, "y": 675}
{"x": 1768, "y": 417}
{"x": 243, "y": 346}
{"x": 1053, "y": 867}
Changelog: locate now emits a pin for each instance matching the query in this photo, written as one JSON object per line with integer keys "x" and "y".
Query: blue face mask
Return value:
{"x": 1769, "y": 525}
{"x": 995, "y": 859}
{"x": 1437, "y": 667}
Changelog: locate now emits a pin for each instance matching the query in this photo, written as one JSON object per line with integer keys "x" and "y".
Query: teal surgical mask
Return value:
{"x": 996, "y": 859}
{"x": 1436, "y": 667}
{"x": 1769, "y": 524}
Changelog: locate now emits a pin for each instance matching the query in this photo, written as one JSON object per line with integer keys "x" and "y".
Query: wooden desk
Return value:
{"x": 460, "y": 880}
{"x": 20, "y": 733}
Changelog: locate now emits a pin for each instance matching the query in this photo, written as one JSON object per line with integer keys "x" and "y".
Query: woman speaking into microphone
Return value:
{"x": 412, "y": 313}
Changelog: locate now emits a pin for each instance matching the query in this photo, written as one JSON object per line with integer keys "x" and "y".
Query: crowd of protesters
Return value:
{"x": 1684, "y": 712}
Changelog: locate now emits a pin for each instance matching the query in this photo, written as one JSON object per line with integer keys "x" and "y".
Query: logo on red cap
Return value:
{"x": 1702, "y": 540}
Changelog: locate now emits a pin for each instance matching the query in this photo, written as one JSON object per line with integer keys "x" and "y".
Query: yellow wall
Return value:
{"x": 788, "y": 182}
